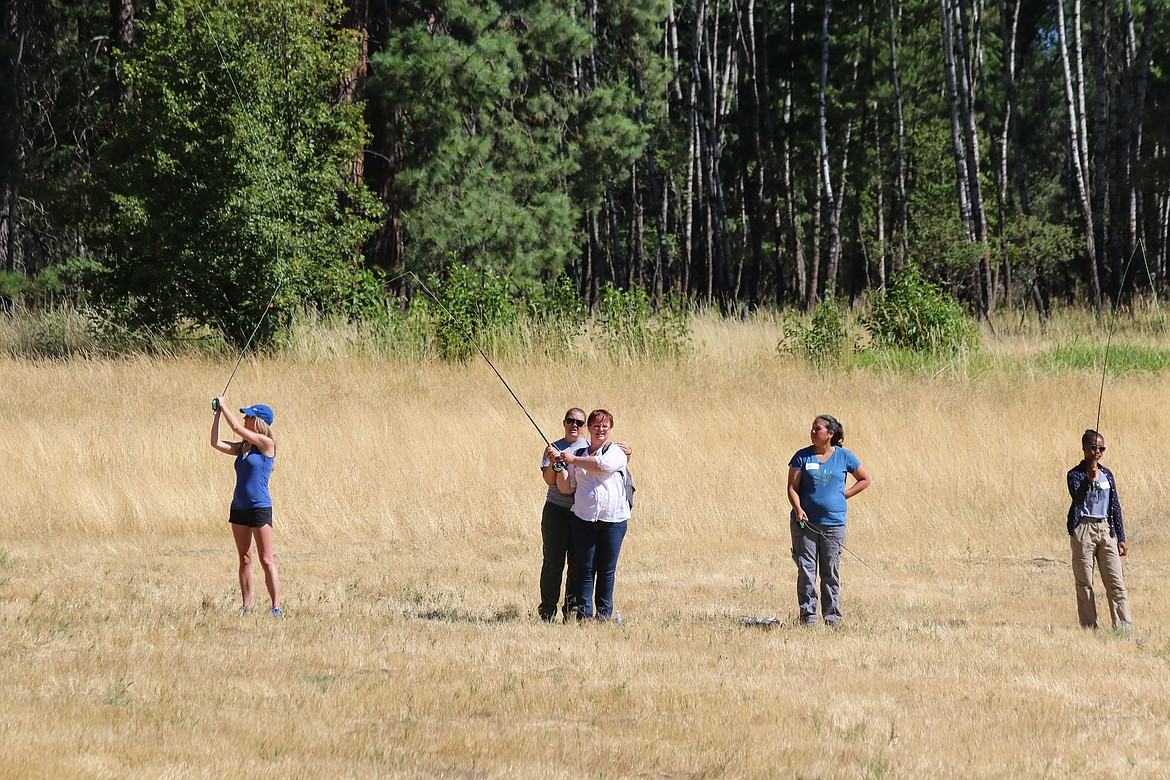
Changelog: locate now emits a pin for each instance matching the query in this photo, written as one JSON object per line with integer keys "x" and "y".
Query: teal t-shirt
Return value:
{"x": 822, "y": 485}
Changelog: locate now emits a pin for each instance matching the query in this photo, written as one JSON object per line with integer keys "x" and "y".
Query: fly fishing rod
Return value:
{"x": 271, "y": 304}
{"x": 471, "y": 340}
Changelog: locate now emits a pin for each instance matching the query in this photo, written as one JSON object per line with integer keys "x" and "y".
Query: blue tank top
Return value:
{"x": 252, "y": 473}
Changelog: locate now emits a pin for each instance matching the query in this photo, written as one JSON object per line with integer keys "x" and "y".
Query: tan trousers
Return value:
{"x": 1092, "y": 544}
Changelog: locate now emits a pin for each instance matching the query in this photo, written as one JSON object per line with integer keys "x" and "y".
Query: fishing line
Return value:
{"x": 1153, "y": 286}
{"x": 1109, "y": 334}
{"x": 815, "y": 530}
{"x": 271, "y": 182}
{"x": 259, "y": 322}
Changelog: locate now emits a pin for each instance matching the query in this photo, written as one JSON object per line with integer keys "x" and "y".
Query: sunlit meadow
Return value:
{"x": 408, "y": 504}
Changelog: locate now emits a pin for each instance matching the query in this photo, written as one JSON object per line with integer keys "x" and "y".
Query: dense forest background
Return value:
{"x": 167, "y": 161}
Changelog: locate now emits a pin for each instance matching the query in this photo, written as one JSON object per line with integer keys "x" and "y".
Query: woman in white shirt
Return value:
{"x": 596, "y": 478}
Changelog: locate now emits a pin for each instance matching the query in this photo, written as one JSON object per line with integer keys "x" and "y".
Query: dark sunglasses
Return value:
{"x": 571, "y": 421}
{"x": 1095, "y": 447}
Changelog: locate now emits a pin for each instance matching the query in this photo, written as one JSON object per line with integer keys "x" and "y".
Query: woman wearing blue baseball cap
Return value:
{"x": 251, "y": 512}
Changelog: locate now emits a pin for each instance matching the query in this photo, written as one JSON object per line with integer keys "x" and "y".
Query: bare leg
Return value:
{"x": 267, "y": 556}
{"x": 243, "y": 537}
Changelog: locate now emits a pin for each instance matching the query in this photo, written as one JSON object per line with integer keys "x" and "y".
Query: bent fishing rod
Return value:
{"x": 471, "y": 340}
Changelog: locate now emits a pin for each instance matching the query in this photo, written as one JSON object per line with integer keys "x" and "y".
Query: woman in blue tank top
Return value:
{"x": 251, "y": 511}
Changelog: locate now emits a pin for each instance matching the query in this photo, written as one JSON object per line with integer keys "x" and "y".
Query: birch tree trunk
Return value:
{"x": 710, "y": 130}
{"x": 1142, "y": 64}
{"x": 122, "y": 36}
{"x": 791, "y": 198}
{"x": 825, "y": 165}
{"x": 967, "y": 38}
{"x": 901, "y": 226}
{"x": 882, "y": 242}
{"x": 1102, "y": 193}
{"x": 963, "y": 188}
{"x": 833, "y": 269}
{"x": 662, "y": 258}
{"x": 1075, "y": 106}
{"x": 756, "y": 183}
{"x": 1011, "y": 24}
{"x": 10, "y": 255}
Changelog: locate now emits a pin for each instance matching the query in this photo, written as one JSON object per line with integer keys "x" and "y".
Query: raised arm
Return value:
{"x": 258, "y": 440}
{"x": 226, "y": 447}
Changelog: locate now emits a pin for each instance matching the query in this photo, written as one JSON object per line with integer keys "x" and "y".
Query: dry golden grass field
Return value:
{"x": 407, "y": 535}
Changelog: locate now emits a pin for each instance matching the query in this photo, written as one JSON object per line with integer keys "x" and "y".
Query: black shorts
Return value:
{"x": 253, "y": 518}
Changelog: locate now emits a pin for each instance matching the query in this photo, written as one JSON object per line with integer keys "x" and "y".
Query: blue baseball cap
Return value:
{"x": 258, "y": 410}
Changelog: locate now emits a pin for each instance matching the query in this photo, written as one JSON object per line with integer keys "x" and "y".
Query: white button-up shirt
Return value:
{"x": 602, "y": 497}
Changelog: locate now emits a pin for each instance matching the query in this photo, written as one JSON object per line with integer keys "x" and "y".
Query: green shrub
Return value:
{"x": 825, "y": 341}
{"x": 469, "y": 305}
{"x": 629, "y": 327}
{"x": 913, "y": 314}
{"x": 48, "y": 333}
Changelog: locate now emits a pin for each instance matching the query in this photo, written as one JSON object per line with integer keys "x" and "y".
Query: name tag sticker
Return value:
{"x": 812, "y": 465}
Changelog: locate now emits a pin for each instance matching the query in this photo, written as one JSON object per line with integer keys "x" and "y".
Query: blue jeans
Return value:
{"x": 595, "y": 549}
{"x": 817, "y": 547}
{"x": 556, "y": 524}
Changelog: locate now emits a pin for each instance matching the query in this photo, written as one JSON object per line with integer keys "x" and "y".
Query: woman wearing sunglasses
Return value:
{"x": 1097, "y": 534}
{"x": 818, "y": 495}
{"x": 556, "y": 521}
{"x": 595, "y": 475}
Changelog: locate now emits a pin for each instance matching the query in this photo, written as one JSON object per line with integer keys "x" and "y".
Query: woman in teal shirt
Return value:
{"x": 818, "y": 495}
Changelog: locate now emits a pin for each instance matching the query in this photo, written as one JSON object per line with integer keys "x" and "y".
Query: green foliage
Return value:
{"x": 484, "y": 305}
{"x": 228, "y": 175}
{"x": 470, "y": 306}
{"x": 48, "y": 333}
{"x": 938, "y": 242}
{"x": 498, "y": 172}
{"x": 629, "y": 328}
{"x": 56, "y": 96}
{"x": 46, "y": 287}
{"x": 563, "y": 303}
{"x": 825, "y": 342}
{"x": 914, "y": 314}
{"x": 1036, "y": 247}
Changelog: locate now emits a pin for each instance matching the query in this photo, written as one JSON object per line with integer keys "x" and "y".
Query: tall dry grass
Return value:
{"x": 408, "y": 503}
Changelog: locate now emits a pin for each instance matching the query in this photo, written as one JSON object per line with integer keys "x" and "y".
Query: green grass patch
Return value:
{"x": 1122, "y": 359}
